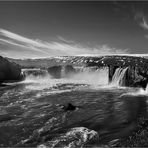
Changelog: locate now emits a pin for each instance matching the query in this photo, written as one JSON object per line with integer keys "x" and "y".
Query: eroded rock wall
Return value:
{"x": 9, "y": 71}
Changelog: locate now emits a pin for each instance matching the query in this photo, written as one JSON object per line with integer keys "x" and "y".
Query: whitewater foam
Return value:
{"x": 75, "y": 137}
{"x": 86, "y": 76}
{"x": 137, "y": 92}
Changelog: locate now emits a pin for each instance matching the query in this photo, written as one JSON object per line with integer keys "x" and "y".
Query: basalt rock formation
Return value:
{"x": 9, "y": 72}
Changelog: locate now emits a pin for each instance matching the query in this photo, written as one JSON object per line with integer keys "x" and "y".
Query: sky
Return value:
{"x": 34, "y": 29}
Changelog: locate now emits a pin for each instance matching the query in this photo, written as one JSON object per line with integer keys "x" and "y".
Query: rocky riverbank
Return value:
{"x": 9, "y": 71}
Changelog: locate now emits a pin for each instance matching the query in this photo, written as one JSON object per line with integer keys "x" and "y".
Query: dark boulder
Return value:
{"x": 9, "y": 71}
{"x": 141, "y": 79}
{"x": 69, "y": 107}
{"x": 69, "y": 69}
{"x": 61, "y": 71}
{"x": 55, "y": 71}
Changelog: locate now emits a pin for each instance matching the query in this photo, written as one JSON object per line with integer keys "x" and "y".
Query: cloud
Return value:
{"x": 133, "y": 10}
{"x": 146, "y": 36}
{"x": 144, "y": 24}
{"x": 65, "y": 40}
{"x": 3, "y": 41}
{"x": 141, "y": 19}
{"x": 63, "y": 47}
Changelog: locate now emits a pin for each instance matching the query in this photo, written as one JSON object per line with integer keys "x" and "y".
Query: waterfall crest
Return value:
{"x": 88, "y": 75}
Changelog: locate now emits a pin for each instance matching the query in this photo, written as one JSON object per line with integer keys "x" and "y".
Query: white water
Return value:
{"x": 86, "y": 76}
{"x": 117, "y": 79}
{"x": 81, "y": 135}
{"x": 142, "y": 91}
{"x": 92, "y": 76}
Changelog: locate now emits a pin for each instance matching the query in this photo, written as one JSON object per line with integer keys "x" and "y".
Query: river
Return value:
{"x": 33, "y": 114}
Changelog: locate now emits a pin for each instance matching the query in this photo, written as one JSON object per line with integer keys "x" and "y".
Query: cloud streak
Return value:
{"x": 133, "y": 10}
{"x": 144, "y": 24}
{"x": 52, "y": 48}
{"x": 141, "y": 19}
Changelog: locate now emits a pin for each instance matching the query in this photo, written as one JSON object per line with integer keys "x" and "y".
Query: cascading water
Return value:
{"x": 142, "y": 91}
{"x": 90, "y": 76}
{"x": 63, "y": 72}
{"x": 86, "y": 69}
{"x": 146, "y": 90}
{"x": 117, "y": 79}
{"x": 34, "y": 72}
{"x": 84, "y": 75}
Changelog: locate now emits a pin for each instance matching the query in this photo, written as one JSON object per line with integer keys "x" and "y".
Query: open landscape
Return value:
{"x": 86, "y": 89}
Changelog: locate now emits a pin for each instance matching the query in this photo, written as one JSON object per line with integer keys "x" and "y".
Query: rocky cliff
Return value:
{"x": 9, "y": 71}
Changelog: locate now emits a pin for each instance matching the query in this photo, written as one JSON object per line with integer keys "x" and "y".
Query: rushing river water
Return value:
{"x": 32, "y": 112}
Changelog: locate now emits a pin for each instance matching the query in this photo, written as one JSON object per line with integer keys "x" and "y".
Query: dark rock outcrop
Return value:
{"x": 9, "y": 72}
{"x": 137, "y": 72}
{"x": 69, "y": 69}
{"x": 61, "y": 71}
{"x": 55, "y": 71}
{"x": 69, "y": 107}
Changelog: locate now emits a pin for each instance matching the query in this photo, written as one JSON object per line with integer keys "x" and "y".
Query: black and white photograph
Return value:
{"x": 73, "y": 74}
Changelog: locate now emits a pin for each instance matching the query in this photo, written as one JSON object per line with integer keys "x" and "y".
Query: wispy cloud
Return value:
{"x": 53, "y": 48}
{"x": 141, "y": 19}
{"x": 144, "y": 24}
{"x": 133, "y": 11}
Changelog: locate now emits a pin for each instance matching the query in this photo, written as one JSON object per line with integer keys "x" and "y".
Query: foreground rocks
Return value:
{"x": 75, "y": 137}
{"x": 9, "y": 72}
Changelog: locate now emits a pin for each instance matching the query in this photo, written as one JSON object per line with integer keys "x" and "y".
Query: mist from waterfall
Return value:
{"x": 83, "y": 75}
{"x": 92, "y": 76}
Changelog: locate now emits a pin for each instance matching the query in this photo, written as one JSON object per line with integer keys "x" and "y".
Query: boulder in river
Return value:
{"x": 69, "y": 107}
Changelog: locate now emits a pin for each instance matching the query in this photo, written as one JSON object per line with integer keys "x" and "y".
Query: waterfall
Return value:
{"x": 146, "y": 89}
{"x": 34, "y": 72}
{"x": 63, "y": 72}
{"x": 118, "y": 77}
{"x": 86, "y": 69}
